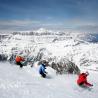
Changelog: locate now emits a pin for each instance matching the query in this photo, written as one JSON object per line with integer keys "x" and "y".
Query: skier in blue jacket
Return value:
{"x": 42, "y": 71}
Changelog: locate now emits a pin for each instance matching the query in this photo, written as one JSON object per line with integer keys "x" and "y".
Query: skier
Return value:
{"x": 82, "y": 80}
{"x": 19, "y": 60}
{"x": 42, "y": 71}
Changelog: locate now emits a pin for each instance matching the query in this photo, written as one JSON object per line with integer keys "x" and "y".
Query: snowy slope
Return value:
{"x": 26, "y": 83}
{"x": 54, "y": 47}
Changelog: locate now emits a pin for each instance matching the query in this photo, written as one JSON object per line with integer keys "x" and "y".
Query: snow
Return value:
{"x": 57, "y": 46}
{"x": 27, "y": 83}
{"x": 71, "y": 46}
{"x": 41, "y": 30}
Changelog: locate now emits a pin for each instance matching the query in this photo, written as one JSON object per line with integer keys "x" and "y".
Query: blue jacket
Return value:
{"x": 42, "y": 69}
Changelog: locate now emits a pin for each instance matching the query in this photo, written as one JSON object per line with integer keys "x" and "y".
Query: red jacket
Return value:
{"x": 83, "y": 79}
{"x": 19, "y": 59}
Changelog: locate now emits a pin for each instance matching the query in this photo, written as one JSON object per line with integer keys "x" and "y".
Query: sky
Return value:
{"x": 27, "y": 15}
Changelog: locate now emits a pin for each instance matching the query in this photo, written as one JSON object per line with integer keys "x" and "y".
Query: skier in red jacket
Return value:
{"x": 82, "y": 80}
{"x": 18, "y": 60}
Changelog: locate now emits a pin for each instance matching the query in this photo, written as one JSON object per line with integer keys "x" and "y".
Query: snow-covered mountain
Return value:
{"x": 52, "y": 46}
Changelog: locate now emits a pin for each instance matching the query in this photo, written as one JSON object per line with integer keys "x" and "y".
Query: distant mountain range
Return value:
{"x": 80, "y": 48}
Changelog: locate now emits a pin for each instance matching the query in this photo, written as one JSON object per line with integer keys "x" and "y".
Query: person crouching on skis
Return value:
{"x": 19, "y": 60}
{"x": 42, "y": 71}
{"x": 82, "y": 80}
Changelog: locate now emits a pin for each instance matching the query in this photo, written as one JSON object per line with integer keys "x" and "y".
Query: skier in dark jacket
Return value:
{"x": 82, "y": 80}
{"x": 42, "y": 71}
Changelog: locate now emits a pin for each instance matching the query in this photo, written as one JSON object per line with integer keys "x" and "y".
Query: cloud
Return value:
{"x": 29, "y": 25}
{"x": 81, "y": 25}
{"x": 17, "y": 24}
{"x": 79, "y": 22}
{"x": 88, "y": 28}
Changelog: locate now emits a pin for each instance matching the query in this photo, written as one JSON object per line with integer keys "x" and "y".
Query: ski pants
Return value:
{"x": 43, "y": 75}
{"x": 19, "y": 63}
